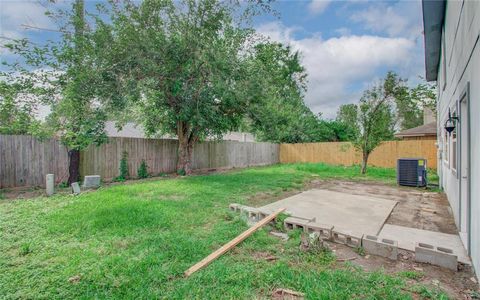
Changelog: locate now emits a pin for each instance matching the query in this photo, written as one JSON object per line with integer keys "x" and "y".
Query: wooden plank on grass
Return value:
{"x": 232, "y": 243}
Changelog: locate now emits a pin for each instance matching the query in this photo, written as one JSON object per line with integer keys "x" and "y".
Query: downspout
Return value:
{"x": 439, "y": 144}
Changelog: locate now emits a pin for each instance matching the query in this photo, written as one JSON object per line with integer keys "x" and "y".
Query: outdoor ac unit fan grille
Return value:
{"x": 412, "y": 172}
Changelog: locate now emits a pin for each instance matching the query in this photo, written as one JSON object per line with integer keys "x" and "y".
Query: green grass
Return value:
{"x": 134, "y": 241}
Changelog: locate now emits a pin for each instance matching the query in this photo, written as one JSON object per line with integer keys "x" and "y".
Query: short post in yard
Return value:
{"x": 50, "y": 184}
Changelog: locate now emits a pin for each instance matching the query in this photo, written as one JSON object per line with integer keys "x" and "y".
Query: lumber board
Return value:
{"x": 225, "y": 248}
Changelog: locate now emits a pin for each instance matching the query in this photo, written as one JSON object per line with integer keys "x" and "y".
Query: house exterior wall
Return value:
{"x": 459, "y": 72}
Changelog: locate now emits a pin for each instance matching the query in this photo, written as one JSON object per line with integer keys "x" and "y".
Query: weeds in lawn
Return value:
{"x": 279, "y": 225}
{"x": 432, "y": 293}
{"x": 63, "y": 184}
{"x": 360, "y": 251}
{"x": 25, "y": 249}
{"x": 415, "y": 275}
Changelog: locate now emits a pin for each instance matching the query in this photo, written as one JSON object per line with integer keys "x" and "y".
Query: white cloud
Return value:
{"x": 318, "y": 6}
{"x": 339, "y": 67}
{"x": 343, "y": 31}
{"x": 399, "y": 19}
{"x": 14, "y": 14}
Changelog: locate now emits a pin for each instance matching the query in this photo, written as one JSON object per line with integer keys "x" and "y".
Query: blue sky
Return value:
{"x": 345, "y": 45}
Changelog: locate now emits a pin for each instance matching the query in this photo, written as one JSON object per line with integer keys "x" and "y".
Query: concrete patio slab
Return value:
{"x": 353, "y": 213}
{"x": 407, "y": 237}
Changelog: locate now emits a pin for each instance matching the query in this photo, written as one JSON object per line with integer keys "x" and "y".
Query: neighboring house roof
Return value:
{"x": 433, "y": 18}
{"x": 132, "y": 130}
{"x": 429, "y": 129}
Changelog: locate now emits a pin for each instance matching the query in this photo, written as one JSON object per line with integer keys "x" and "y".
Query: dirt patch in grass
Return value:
{"x": 458, "y": 285}
{"x": 264, "y": 198}
{"x": 263, "y": 255}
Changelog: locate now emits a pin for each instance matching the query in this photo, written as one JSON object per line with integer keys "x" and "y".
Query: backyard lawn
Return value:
{"x": 135, "y": 240}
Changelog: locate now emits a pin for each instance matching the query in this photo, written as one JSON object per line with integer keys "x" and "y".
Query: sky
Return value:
{"x": 345, "y": 46}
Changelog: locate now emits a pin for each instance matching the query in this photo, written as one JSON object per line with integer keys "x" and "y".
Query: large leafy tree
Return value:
{"x": 61, "y": 73}
{"x": 17, "y": 111}
{"x": 179, "y": 68}
{"x": 409, "y": 102}
{"x": 372, "y": 120}
{"x": 278, "y": 83}
{"x": 280, "y": 114}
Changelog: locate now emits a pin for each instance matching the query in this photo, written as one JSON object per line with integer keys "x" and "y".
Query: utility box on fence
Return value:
{"x": 412, "y": 172}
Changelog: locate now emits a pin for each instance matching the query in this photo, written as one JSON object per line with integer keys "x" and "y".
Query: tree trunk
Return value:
{"x": 74, "y": 166}
{"x": 364, "y": 162}
{"x": 184, "y": 166}
{"x": 184, "y": 149}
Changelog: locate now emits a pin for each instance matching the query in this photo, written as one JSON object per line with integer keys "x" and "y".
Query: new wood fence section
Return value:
{"x": 24, "y": 160}
{"x": 343, "y": 153}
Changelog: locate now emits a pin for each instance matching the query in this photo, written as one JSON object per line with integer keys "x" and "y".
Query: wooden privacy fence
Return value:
{"x": 343, "y": 153}
{"x": 161, "y": 156}
{"x": 24, "y": 160}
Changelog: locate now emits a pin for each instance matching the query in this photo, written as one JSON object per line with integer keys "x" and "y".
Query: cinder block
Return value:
{"x": 381, "y": 247}
{"x": 438, "y": 256}
{"x": 91, "y": 181}
{"x": 296, "y": 223}
{"x": 346, "y": 238}
{"x": 50, "y": 184}
{"x": 324, "y": 230}
{"x": 75, "y": 188}
{"x": 251, "y": 213}
{"x": 235, "y": 207}
{"x": 263, "y": 214}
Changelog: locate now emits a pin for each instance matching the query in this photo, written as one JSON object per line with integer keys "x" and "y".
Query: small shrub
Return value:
{"x": 118, "y": 179}
{"x": 181, "y": 172}
{"x": 63, "y": 184}
{"x": 360, "y": 251}
{"x": 279, "y": 222}
{"x": 142, "y": 170}
{"x": 25, "y": 249}
{"x": 123, "y": 168}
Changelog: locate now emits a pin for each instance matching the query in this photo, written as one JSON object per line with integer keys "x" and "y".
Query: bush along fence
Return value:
{"x": 343, "y": 153}
{"x": 24, "y": 160}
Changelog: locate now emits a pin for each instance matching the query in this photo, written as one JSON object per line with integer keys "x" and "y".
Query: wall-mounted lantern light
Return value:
{"x": 450, "y": 123}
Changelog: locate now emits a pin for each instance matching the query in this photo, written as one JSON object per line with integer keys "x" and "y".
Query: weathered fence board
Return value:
{"x": 24, "y": 160}
{"x": 343, "y": 153}
{"x": 161, "y": 156}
